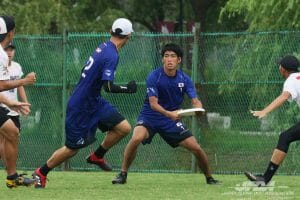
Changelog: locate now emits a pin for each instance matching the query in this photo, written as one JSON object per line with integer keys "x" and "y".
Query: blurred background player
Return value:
{"x": 166, "y": 87}
{"x": 87, "y": 110}
{"x": 9, "y": 132}
{"x": 289, "y": 69}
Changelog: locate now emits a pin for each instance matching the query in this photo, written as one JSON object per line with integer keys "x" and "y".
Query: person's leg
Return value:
{"x": 279, "y": 154}
{"x": 15, "y": 120}
{"x": 10, "y": 133}
{"x": 57, "y": 158}
{"x": 9, "y": 152}
{"x": 192, "y": 145}
{"x": 60, "y": 155}
{"x": 112, "y": 137}
{"x": 2, "y": 140}
{"x": 140, "y": 133}
{"x": 116, "y": 134}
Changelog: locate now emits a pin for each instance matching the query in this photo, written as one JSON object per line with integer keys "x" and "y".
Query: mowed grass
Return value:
{"x": 97, "y": 185}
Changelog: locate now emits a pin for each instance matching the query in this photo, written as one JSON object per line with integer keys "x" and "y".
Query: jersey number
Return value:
{"x": 87, "y": 66}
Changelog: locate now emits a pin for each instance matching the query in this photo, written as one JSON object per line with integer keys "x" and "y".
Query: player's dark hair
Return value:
{"x": 117, "y": 33}
{"x": 172, "y": 47}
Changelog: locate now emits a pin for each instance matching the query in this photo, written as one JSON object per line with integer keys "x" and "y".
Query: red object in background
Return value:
{"x": 165, "y": 27}
{"x": 190, "y": 27}
{"x": 169, "y": 26}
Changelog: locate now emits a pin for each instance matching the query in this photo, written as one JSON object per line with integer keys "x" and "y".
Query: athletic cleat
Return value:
{"x": 258, "y": 180}
{"x": 20, "y": 181}
{"x": 120, "y": 178}
{"x": 100, "y": 162}
{"x": 212, "y": 181}
{"x": 40, "y": 179}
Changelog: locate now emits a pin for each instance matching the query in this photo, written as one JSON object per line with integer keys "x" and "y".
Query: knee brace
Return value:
{"x": 284, "y": 141}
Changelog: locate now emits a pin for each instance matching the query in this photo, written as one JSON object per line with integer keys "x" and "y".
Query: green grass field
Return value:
{"x": 97, "y": 185}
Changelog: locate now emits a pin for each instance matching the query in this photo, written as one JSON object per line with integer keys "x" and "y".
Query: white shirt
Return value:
{"x": 3, "y": 64}
{"x": 292, "y": 85}
{"x": 15, "y": 72}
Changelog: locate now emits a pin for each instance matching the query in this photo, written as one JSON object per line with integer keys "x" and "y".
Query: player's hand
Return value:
{"x": 25, "y": 110}
{"x": 258, "y": 114}
{"x": 30, "y": 78}
{"x": 20, "y": 107}
{"x": 173, "y": 115}
{"x": 132, "y": 87}
{"x": 199, "y": 114}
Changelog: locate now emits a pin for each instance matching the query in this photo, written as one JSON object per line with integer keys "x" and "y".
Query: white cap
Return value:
{"x": 124, "y": 25}
{"x": 3, "y": 28}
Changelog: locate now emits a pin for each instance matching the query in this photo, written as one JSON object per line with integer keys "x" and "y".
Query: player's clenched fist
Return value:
{"x": 30, "y": 78}
{"x": 132, "y": 87}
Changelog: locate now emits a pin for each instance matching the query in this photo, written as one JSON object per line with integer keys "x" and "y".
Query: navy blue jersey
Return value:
{"x": 169, "y": 90}
{"x": 100, "y": 66}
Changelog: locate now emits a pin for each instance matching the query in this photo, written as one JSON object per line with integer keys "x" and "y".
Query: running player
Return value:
{"x": 9, "y": 133}
{"x": 87, "y": 110}
{"x": 166, "y": 87}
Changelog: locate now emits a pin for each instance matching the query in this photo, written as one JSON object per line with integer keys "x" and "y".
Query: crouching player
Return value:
{"x": 166, "y": 87}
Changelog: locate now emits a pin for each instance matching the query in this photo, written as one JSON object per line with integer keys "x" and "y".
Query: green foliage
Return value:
{"x": 56, "y": 16}
{"x": 248, "y": 76}
{"x": 264, "y": 15}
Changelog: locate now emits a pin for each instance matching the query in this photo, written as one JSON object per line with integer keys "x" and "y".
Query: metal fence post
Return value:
{"x": 66, "y": 164}
{"x": 194, "y": 75}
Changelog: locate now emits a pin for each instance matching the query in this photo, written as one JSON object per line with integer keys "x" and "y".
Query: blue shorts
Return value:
{"x": 173, "y": 132}
{"x": 81, "y": 125}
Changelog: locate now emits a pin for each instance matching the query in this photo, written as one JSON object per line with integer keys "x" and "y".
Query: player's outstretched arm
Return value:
{"x": 272, "y": 106}
{"x": 110, "y": 87}
{"x": 29, "y": 79}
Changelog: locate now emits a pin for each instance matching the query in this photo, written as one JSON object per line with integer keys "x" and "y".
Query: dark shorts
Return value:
{"x": 3, "y": 115}
{"x": 81, "y": 126}
{"x": 172, "y": 132}
{"x": 16, "y": 120}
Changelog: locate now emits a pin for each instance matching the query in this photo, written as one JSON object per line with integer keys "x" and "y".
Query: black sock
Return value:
{"x": 209, "y": 178}
{"x": 124, "y": 173}
{"x": 12, "y": 177}
{"x": 100, "y": 152}
{"x": 270, "y": 171}
{"x": 45, "y": 169}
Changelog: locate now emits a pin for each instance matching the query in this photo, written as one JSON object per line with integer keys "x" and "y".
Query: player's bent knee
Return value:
{"x": 11, "y": 134}
{"x": 284, "y": 142}
{"x": 125, "y": 127}
{"x": 137, "y": 139}
{"x": 70, "y": 151}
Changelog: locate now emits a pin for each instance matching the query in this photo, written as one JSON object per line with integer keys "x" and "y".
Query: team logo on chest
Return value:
{"x": 180, "y": 85}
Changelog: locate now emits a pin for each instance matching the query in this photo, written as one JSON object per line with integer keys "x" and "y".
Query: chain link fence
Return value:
{"x": 233, "y": 73}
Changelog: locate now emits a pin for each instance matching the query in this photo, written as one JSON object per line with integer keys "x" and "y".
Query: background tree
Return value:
{"x": 264, "y": 15}
{"x": 261, "y": 50}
